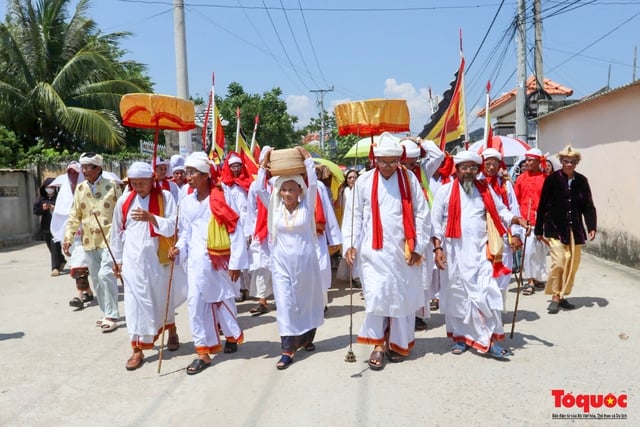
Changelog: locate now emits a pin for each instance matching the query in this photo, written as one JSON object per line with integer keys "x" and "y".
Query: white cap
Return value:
{"x": 139, "y": 170}
{"x": 177, "y": 162}
{"x": 200, "y": 161}
{"x": 161, "y": 161}
{"x": 466, "y": 156}
{"x": 534, "y": 153}
{"x": 411, "y": 149}
{"x": 388, "y": 146}
{"x": 491, "y": 153}
{"x": 234, "y": 159}
{"x": 91, "y": 159}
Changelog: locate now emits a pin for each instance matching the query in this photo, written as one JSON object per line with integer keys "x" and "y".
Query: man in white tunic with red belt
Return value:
{"x": 469, "y": 221}
{"x": 213, "y": 243}
{"x": 143, "y": 220}
{"x": 389, "y": 223}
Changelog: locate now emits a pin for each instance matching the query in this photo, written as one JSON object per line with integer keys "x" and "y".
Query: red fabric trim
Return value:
{"x": 454, "y": 213}
{"x": 156, "y": 207}
{"x": 244, "y": 180}
{"x": 321, "y": 220}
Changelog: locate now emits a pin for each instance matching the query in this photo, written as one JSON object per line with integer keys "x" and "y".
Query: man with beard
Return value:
{"x": 468, "y": 224}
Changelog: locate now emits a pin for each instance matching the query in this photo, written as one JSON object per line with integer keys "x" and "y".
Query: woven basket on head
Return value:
{"x": 286, "y": 161}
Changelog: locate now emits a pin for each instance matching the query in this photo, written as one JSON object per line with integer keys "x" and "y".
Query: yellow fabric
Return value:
{"x": 495, "y": 243}
{"x": 434, "y": 135}
{"x": 218, "y": 242}
{"x": 372, "y": 117}
{"x": 149, "y": 110}
{"x": 565, "y": 260}
{"x": 164, "y": 243}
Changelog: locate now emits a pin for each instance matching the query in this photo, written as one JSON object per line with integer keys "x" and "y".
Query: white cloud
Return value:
{"x": 417, "y": 100}
{"x": 303, "y": 107}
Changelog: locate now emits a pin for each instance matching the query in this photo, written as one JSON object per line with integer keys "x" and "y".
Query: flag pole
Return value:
{"x": 237, "y": 129}
{"x": 214, "y": 118}
{"x": 253, "y": 137}
{"x": 464, "y": 104}
{"x": 488, "y": 133}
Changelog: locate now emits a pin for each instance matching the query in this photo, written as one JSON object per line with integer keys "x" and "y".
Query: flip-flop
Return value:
{"x": 376, "y": 360}
{"x": 309, "y": 347}
{"x": 134, "y": 362}
{"x": 76, "y": 302}
{"x": 528, "y": 290}
{"x": 230, "y": 347}
{"x": 259, "y": 309}
{"x": 459, "y": 348}
{"x": 197, "y": 366}
{"x": 394, "y": 357}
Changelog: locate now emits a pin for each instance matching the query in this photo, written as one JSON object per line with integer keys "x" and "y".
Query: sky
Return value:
{"x": 372, "y": 48}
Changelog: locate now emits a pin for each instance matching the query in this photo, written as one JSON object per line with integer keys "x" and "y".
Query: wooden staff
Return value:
{"x": 519, "y": 276}
{"x": 95, "y": 214}
{"x": 166, "y": 307}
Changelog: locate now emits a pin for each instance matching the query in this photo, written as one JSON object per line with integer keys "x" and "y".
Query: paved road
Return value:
{"x": 58, "y": 369}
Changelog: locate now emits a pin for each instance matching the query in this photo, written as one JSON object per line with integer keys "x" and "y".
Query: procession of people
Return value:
{"x": 421, "y": 231}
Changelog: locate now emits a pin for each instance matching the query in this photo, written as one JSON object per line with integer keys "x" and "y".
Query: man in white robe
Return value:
{"x": 389, "y": 241}
{"x": 212, "y": 267}
{"x": 465, "y": 211}
{"x": 329, "y": 234}
{"x": 139, "y": 213}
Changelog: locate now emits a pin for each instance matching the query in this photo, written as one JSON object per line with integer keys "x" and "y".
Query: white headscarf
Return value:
{"x": 200, "y": 161}
{"x": 139, "y": 170}
{"x": 467, "y": 156}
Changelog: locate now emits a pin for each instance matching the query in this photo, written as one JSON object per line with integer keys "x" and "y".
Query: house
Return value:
{"x": 503, "y": 108}
{"x": 605, "y": 128}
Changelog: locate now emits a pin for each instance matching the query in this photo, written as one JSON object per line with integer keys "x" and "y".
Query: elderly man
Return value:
{"x": 94, "y": 200}
{"x": 528, "y": 188}
{"x": 565, "y": 206}
{"x": 388, "y": 231}
{"x": 492, "y": 165}
{"x": 212, "y": 242}
{"x": 163, "y": 171}
{"x": 468, "y": 224}
{"x": 143, "y": 220}
{"x": 177, "y": 170}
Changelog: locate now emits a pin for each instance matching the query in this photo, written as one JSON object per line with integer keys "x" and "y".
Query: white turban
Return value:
{"x": 466, "y": 156}
{"x": 491, "y": 153}
{"x": 534, "y": 153}
{"x": 161, "y": 161}
{"x": 91, "y": 159}
{"x": 200, "y": 161}
{"x": 177, "y": 163}
{"x": 411, "y": 149}
{"x": 73, "y": 165}
{"x": 388, "y": 146}
{"x": 233, "y": 159}
{"x": 139, "y": 170}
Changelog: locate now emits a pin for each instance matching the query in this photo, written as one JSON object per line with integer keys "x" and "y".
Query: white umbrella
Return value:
{"x": 511, "y": 147}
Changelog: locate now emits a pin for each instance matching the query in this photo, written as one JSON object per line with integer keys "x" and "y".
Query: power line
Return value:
{"x": 295, "y": 41}
{"x": 313, "y": 49}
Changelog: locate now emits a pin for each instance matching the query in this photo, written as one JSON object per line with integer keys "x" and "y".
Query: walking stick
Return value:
{"x": 519, "y": 276}
{"x": 166, "y": 307}
{"x": 108, "y": 247}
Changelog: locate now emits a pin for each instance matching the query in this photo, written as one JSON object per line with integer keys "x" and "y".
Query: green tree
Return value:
{"x": 61, "y": 79}
{"x": 276, "y": 126}
{"x": 10, "y": 149}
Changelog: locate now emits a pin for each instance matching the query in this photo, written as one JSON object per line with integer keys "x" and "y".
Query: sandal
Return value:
{"x": 173, "y": 343}
{"x": 197, "y": 366}
{"x": 87, "y": 297}
{"x": 99, "y": 322}
{"x": 566, "y": 304}
{"x": 108, "y": 325}
{"x": 284, "y": 362}
{"x": 459, "y": 348}
{"x": 554, "y": 307}
{"x": 420, "y": 325}
{"x": 135, "y": 361}
{"x": 259, "y": 309}
{"x": 230, "y": 347}
{"x": 77, "y": 303}
{"x": 394, "y": 357}
{"x": 309, "y": 347}
{"x": 376, "y": 360}
{"x": 498, "y": 352}
{"x": 434, "y": 305}
{"x": 528, "y": 290}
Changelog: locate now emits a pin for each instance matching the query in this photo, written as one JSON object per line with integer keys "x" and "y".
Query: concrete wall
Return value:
{"x": 606, "y": 130}
{"x": 18, "y": 192}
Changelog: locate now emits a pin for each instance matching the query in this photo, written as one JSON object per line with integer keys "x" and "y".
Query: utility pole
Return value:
{"x": 537, "y": 16}
{"x": 521, "y": 90}
{"x": 182, "y": 77}
{"x": 321, "y": 103}
{"x": 635, "y": 61}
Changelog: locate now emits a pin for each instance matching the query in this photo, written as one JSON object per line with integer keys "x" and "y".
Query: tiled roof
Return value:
{"x": 551, "y": 87}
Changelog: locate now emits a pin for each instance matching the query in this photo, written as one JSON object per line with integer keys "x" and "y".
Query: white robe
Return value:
{"x": 146, "y": 280}
{"x": 297, "y": 287}
{"x": 391, "y": 287}
{"x": 63, "y": 206}
{"x": 331, "y": 236}
{"x": 471, "y": 300}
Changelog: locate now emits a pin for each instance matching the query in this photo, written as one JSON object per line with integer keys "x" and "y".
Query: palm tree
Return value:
{"x": 60, "y": 79}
